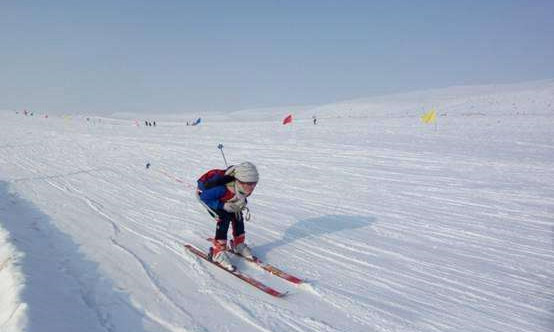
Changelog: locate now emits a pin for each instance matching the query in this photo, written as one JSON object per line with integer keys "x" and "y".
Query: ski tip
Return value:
{"x": 281, "y": 295}
{"x": 297, "y": 281}
{"x": 276, "y": 293}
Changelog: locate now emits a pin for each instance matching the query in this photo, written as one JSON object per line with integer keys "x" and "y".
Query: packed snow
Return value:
{"x": 395, "y": 225}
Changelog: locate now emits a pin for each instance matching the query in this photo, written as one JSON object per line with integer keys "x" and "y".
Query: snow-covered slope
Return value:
{"x": 396, "y": 226}
{"x": 531, "y": 97}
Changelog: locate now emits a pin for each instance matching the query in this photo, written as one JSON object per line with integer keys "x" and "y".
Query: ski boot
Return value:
{"x": 222, "y": 259}
{"x": 241, "y": 248}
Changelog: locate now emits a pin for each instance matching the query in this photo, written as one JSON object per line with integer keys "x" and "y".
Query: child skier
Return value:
{"x": 223, "y": 193}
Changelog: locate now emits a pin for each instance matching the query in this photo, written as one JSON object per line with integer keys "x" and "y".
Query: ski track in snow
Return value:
{"x": 395, "y": 227}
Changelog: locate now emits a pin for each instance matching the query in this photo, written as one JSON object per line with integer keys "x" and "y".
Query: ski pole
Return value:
{"x": 245, "y": 210}
{"x": 220, "y": 147}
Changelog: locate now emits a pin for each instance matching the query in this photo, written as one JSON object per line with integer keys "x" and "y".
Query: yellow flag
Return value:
{"x": 429, "y": 116}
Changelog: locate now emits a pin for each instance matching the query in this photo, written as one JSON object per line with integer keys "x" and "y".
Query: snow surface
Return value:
{"x": 396, "y": 226}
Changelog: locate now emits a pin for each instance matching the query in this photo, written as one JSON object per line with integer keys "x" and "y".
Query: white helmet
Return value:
{"x": 245, "y": 172}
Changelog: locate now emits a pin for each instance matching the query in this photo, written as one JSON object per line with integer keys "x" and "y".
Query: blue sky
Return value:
{"x": 197, "y": 56}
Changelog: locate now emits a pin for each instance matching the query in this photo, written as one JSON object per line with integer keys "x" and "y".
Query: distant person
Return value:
{"x": 315, "y": 119}
{"x": 223, "y": 193}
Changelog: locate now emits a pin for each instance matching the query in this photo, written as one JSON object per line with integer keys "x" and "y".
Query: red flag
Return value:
{"x": 288, "y": 119}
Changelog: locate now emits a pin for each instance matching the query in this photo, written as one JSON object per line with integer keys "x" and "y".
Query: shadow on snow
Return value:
{"x": 313, "y": 228}
{"x": 63, "y": 290}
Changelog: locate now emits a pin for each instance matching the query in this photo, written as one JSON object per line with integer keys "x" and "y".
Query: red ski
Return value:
{"x": 269, "y": 268}
{"x": 237, "y": 273}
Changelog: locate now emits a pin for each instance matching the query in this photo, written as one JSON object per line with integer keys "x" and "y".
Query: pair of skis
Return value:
{"x": 248, "y": 279}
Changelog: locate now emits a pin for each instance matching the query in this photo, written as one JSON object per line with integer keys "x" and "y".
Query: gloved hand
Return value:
{"x": 234, "y": 205}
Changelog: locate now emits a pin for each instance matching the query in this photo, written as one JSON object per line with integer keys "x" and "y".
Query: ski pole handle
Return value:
{"x": 220, "y": 147}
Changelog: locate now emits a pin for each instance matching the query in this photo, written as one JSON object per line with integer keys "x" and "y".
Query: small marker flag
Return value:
{"x": 429, "y": 117}
{"x": 287, "y": 119}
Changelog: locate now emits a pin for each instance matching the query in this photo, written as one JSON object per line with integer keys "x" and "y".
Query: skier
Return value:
{"x": 223, "y": 193}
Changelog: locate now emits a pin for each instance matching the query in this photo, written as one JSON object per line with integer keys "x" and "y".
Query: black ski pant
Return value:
{"x": 225, "y": 218}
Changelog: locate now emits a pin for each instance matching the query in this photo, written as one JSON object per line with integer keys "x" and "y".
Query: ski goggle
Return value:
{"x": 246, "y": 188}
